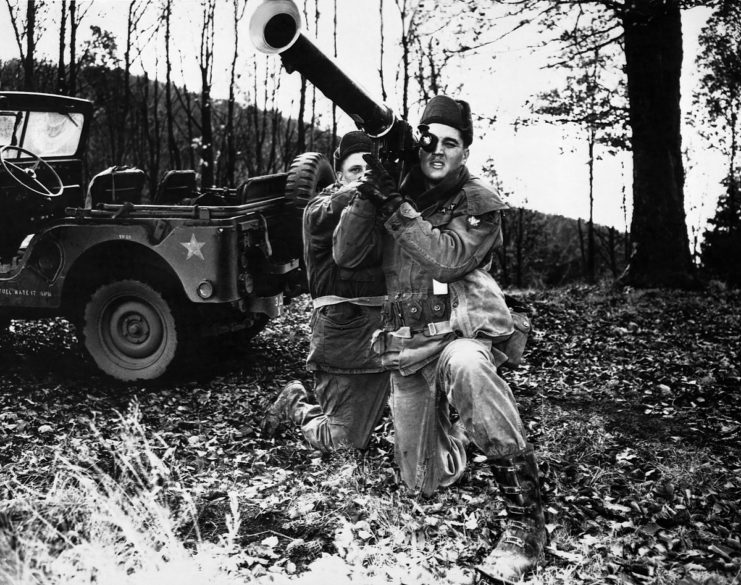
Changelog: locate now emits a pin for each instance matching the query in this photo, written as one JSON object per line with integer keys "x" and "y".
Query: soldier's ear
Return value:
{"x": 465, "y": 155}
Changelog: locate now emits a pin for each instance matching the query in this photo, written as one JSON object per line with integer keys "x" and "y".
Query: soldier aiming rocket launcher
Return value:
{"x": 275, "y": 28}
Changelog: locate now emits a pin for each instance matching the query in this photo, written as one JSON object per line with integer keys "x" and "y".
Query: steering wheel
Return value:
{"x": 27, "y": 176}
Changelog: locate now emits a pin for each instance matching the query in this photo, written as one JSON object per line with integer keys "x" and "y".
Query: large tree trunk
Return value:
{"x": 653, "y": 52}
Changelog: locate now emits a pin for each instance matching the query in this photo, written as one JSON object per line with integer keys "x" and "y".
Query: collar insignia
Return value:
{"x": 473, "y": 221}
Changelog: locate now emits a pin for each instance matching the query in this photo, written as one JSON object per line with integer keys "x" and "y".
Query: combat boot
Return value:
{"x": 521, "y": 546}
{"x": 284, "y": 408}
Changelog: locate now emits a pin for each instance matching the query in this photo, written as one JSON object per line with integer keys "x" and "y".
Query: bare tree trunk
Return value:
{"x": 301, "y": 131}
{"x": 624, "y": 207}
{"x": 581, "y": 245}
{"x": 138, "y": 150}
{"x": 231, "y": 149}
{"x": 405, "y": 41}
{"x": 301, "y": 128}
{"x": 313, "y": 87}
{"x": 434, "y": 80}
{"x": 264, "y": 118}
{"x": 590, "y": 269}
{"x": 591, "y": 141}
{"x": 612, "y": 243}
{"x": 28, "y": 62}
{"x": 61, "y": 68}
{"x": 172, "y": 147}
{"x": 333, "y": 144}
{"x": 274, "y": 127}
{"x": 520, "y": 244}
{"x": 131, "y": 23}
{"x": 287, "y": 141}
{"x": 206, "y": 67}
{"x": 73, "y": 24}
{"x": 384, "y": 95}
{"x": 732, "y": 180}
{"x": 503, "y": 254}
{"x": 185, "y": 102}
{"x": 151, "y": 135}
{"x": 259, "y": 138}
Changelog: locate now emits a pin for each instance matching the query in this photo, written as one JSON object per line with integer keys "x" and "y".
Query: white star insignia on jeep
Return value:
{"x": 193, "y": 247}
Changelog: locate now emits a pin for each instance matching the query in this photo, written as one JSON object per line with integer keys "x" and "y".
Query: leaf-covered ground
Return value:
{"x": 633, "y": 399}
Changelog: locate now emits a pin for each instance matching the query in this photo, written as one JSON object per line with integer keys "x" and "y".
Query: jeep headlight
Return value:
{"x": 206, "y": 289}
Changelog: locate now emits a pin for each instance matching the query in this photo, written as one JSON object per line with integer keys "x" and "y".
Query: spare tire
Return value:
{"x": 308, "y": 174}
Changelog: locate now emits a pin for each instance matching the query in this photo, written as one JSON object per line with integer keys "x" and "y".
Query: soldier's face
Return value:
{"x": 352, "y": 168}
{"x": 449, "y": 154}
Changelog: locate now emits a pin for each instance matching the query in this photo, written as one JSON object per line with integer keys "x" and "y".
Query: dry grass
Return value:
{"x": 115, "y": 526}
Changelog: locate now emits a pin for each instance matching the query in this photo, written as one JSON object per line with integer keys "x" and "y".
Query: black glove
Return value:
{"x": 378, "y": 187}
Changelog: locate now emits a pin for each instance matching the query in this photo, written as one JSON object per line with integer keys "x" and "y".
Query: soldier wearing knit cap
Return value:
{"x": 350, "y": 383}
{"x": 348, "y": 158}
{"x": 446, "y": 328}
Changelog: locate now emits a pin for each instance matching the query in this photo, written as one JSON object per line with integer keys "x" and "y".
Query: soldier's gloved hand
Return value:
{"x": 378, "y": 187}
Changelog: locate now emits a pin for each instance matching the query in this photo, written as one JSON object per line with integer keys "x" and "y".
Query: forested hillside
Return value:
{"x": 539, "y": 249}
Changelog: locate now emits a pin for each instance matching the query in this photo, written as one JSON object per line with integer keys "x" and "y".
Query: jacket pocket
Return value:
{"x": 514, "y": 346}
{"x": 342, "y": 340}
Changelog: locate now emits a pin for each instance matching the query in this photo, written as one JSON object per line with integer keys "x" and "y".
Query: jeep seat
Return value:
{"x": 263, "y": 187}
{"x": 115, "y": 185}
{"x": 176, "y": 186}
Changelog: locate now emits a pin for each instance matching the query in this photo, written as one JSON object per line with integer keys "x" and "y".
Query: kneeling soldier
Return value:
{"x": 350, "y": 384}
{"x": 444, "y": 324}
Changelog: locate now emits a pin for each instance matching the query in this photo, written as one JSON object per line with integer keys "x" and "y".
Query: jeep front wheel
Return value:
{"x": 131, "y": 331}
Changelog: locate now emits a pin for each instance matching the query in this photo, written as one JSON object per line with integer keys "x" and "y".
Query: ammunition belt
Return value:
{"x": 415, "y": 313}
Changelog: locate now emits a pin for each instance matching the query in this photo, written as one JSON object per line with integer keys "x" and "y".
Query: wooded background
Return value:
{"x": 159, "y": 124}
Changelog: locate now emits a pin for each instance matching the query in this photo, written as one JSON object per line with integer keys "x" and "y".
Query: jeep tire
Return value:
{"x": 308, "y": 174}
{"x": 131, "y": 331}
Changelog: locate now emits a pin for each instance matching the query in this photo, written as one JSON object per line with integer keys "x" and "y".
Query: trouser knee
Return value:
{"x": 464, "y": 356}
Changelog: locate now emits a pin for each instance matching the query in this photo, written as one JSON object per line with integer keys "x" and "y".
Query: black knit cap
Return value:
{"x": 454, "y": 113}
{"x": 350, "y": 143}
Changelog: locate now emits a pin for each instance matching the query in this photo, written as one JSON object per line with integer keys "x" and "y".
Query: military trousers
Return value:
{"x": 430, "y": 450}
{"x": 349, "y": 407}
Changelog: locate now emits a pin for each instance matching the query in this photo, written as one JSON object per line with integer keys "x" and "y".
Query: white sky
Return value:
{"x": 541, "y": 166}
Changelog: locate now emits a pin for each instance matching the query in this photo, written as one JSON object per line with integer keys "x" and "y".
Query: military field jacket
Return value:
{"x": 451, "y": 243}
{"x": 340, "y": 333}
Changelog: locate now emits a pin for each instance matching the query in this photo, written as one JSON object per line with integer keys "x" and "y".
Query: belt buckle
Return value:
{"x": 430, "y": 329}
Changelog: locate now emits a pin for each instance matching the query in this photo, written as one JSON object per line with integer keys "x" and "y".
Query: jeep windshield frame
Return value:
{"x": 51, "y": 126}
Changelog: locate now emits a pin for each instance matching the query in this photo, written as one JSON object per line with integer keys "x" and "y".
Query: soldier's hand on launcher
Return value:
{"x": 378, "y": 187}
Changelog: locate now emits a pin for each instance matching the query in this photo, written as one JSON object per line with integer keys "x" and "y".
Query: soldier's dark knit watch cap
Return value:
{"x": 454, "y": 113}
{"x": 350, "y": 143}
